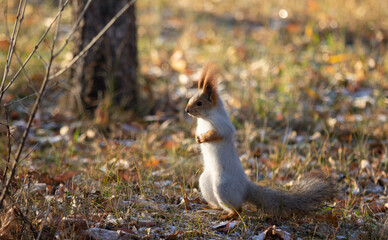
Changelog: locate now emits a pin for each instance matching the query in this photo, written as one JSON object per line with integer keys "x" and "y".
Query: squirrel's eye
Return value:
{"x": 199, "y": 103}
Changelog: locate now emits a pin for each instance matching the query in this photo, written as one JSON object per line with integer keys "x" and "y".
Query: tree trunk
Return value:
{"x": 110, "y": 67}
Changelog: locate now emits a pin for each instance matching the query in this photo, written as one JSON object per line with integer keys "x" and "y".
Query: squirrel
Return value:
{"x": 223, "y": 182}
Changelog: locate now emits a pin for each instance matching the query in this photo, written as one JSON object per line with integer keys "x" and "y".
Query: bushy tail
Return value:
{"x": 306, "y": 196}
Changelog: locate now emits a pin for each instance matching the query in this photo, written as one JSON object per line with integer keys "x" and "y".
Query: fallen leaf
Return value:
{"x": 262, "y": 235}
{"x": 153, "y": 162}
{"x": 376, "y": 208}
{"x": 294, "y": 28}
{"x": 226, "y": 226}
{"x": 127, "y": 175}
{"x": 66, "y": 176}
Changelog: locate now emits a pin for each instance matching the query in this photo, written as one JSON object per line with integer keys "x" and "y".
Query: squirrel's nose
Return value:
{"x": 187, "y": 109}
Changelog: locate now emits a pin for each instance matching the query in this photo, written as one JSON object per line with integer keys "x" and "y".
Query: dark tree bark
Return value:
{"x": 110, "y": 67}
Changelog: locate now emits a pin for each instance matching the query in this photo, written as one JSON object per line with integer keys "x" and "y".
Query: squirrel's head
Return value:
{"x": 205, "y": 99}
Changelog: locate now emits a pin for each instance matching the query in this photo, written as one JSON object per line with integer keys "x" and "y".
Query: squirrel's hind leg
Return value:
{"x": 206, "y": 187}
{"x": 230, "y": 215}
{"x": 230, "y": 201}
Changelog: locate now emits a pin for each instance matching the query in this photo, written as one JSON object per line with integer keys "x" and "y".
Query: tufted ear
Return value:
{"x": 202, "y": 78}
{"x": 209, "y": 84}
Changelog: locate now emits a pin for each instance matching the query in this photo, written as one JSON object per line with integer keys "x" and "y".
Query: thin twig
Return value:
{"x": 46, "y": 80}
{"x": 26, "y": 74}
{"x": 44, "y": 221}
{"x": 12, "y": 44}
{"x": 32, "y": 115}
{"x": 33, "y": 94}
{"x": 41, "y": 59}
{"x": 75, "y": 27}
{"x": 95, "y": 39}
{"x": 17, "y": 55}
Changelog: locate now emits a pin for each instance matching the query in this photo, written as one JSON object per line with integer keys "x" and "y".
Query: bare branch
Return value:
{"x": 76, "y": 58}
{"x": 32, "y": 115}
{"x": 25, "y": 73}
{"x": 15, "y": 33}
{"x": 75, "y": 27}
{"x": 16, "y": 55}
{"x": 31, "y": 54}
{"x": 33, "y": 94}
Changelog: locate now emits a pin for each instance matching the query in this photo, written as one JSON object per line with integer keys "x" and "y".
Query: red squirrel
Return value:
{"x": 223, "y": 182}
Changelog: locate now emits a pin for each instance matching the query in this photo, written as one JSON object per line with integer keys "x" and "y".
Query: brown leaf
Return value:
{"x": 66, "y": 176}
{"x": 4, "y": 44}
{"x": 127, "y": 175}
{"x": 376, "y": 208}
{"x": 294, "y": 28}
{"x": 42, "y": 177}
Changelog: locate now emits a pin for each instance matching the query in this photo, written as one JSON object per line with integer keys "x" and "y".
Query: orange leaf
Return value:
{"x": 4, "y": 44}
{"x": 152, "y": 162}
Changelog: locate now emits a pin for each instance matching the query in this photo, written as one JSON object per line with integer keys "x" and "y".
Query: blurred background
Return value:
{"x": 278, "y": 59}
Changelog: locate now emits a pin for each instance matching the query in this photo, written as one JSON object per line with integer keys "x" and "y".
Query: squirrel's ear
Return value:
{"x": 210, "y": 92}
{"x": 201, "y": 80}
{"x": 210, "y": 83}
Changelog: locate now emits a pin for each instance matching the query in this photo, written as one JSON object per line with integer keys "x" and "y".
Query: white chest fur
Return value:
{"x": 203, "y": 126}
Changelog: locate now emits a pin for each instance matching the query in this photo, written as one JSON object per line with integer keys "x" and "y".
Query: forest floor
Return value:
{"x": 305, "y": 84}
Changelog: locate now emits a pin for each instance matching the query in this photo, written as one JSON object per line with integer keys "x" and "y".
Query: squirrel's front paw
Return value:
{"x": 198, "y": 139}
